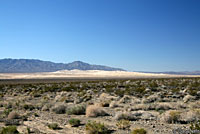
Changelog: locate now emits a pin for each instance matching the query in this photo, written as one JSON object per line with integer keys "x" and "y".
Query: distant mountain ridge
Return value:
{"x": 178, "y": 73}
{"x": 184, "y": 73}
{"x": 33, "y": 65}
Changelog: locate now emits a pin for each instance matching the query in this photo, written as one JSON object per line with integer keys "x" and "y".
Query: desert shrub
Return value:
{"x": 190, "y": 116}
{"x": 28, "y": 107}
{"x": 174, "y": 115}
{"x": 11, "y": 122}
{"x": 123, "y": 124}
{"x": 163, "y": 106}
{"x": 77, "y": 110}
{"x": 188, "y": 98}
{"x": 7, "y": 111}
{"x": 35, "y": 94}
{"x": 9, "y": 130}
{"x": 140, "y": 89}
{"x": 53, "y": 126}
{"x": 119, "y": 92}
{"x": 28, "y": 130}
{"x": 60, "y": 109}
{"x": 124, "y": 116}
{"x": 105, "y": 104}
{"x": 36, "y": 115}
{"x": 171, "y": 116}
{"x": 74, "y": 122}
{"x": 93, "y": 127}
{"x": 94, "y": 111}
{"x": 8, "y": 105}
{"x": 113, "y": 104}
{"x": 1, "y": 95}
{"x": 139, "y": 131}
{"x": 13, "y": 115}
{"x": 46, "y": 107}
{"x": 195, "y": 126}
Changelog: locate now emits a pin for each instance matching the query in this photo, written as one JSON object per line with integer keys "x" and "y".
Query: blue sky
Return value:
{"x": 137, "y": 35}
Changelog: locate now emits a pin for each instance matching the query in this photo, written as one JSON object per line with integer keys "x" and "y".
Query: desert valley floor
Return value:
{"x": 76, "y": 105}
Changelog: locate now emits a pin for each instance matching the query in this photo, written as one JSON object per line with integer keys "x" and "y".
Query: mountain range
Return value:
{"x": 33, "y": 65}
{"x": 177, "y": 73}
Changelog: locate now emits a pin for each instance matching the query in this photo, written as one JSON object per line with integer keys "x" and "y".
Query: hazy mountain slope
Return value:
{"x": 184, "y": 73}
{"x": 178, "y": 73}
{"x": 32, "y": 65}
{"x": 85, "y": 66}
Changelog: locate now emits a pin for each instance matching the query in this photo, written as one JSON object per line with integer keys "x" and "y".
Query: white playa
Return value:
{"x": 87, "y": 74}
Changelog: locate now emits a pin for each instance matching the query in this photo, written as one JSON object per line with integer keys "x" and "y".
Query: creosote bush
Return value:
{"x": 77, "y": 110}
{"x": 195, "y": 126}
{"x": 53, "y": 126}
{"x": 123, "y": 124}
{"x": 28, "y": 107}
{"x": 124, "y": 116}
{"x": 171, "y": 116}
{"x": 139, "y": 131}
{"x": 7, "y": 111}
{"x": 9, "y": 130}
{"x": 74, "y": 122}
{"x": 92, "y": 127}
{"x": 60, "y": 109}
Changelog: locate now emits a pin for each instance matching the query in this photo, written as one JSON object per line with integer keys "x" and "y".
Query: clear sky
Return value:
{"x": 136, "y": 35}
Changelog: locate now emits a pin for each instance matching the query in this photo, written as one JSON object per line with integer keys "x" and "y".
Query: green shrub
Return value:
{"x": 9, "y": 130}
{"x": 92, "y": 127}
{"x": 171, "y": 116}
{"x": 195, "y": 126}
{"x": 53, "y": 126}
{"x": 74, "y": 122}
{"x": 123, "y": 124}
{"x": 174, "y": 115}
{"x": 7, "y": 111}
{"x": 139, "y": 131}
{"x": 28, "y": 130}
{"x": 28, "y": 107}
{"x": 77, "y": 110}
{"x": 59, "y": 109}
{"x": 140, "y": 89}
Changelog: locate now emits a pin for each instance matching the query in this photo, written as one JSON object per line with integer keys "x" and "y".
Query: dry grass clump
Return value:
{"x": 190, "y": 116}
{"x": 77, "y": 110}
{"x": 125, "y": 99}
{"x": 188, "y": 98}
{"x": 60, "y": 109}
{"x": 140, "y": 107}
{"x": 104, "y": 96}
{"x": 124, "y": 116}
{"x": 123, "y": 124}
{"x": 151, "y": 99}
{"x": 94, "y": 111}
{"x": 194, "y": 105}
{"x": 13, "y": 115}
{"x": 171, "y": 116}
{"x": 163, "y": 106}
{"x": 113, "y": 104}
